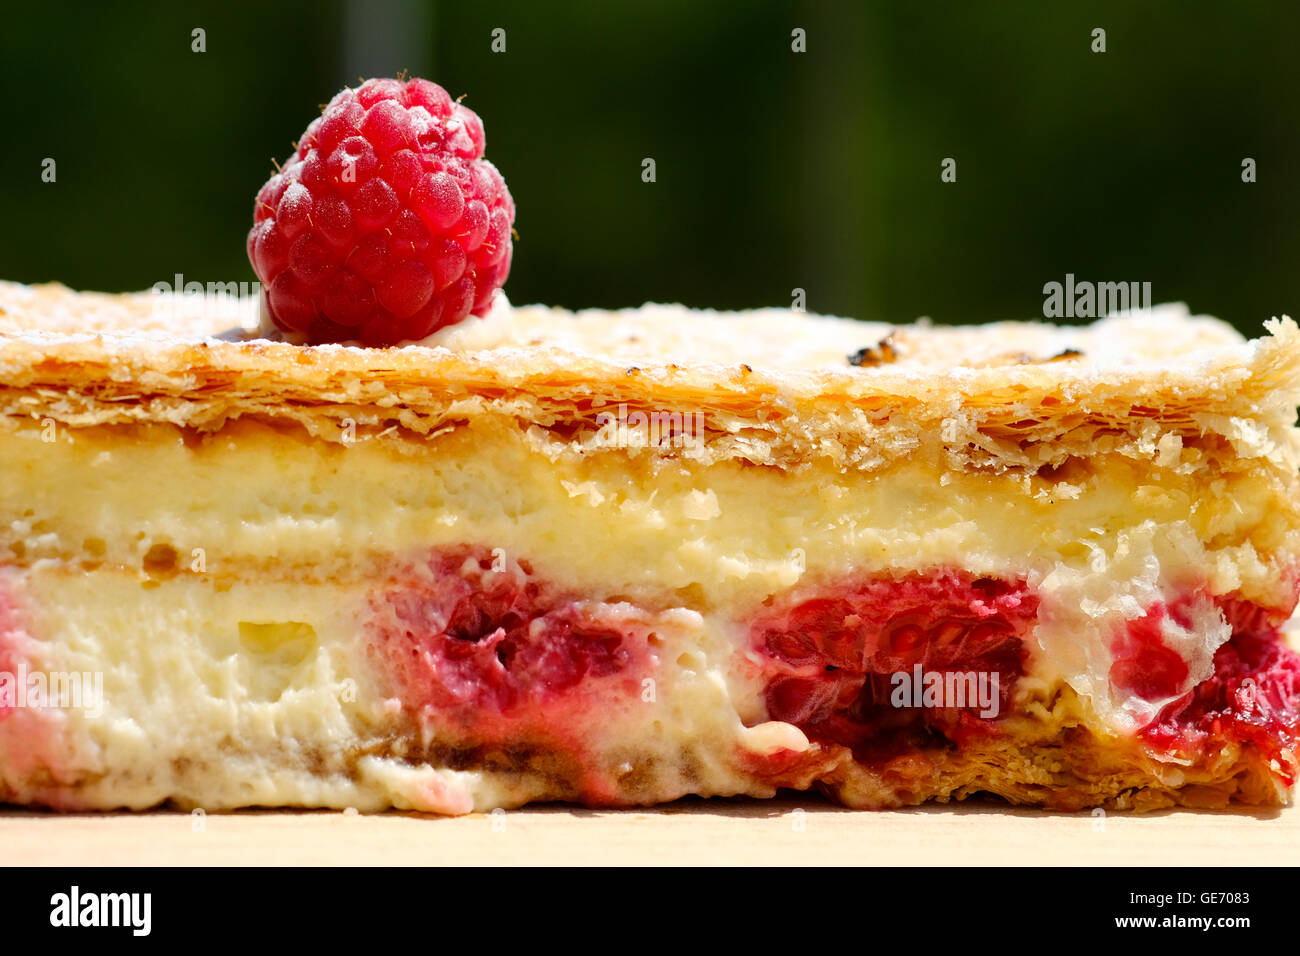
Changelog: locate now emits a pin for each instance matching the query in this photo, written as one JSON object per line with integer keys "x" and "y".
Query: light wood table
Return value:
{"x": 790, "y": 830}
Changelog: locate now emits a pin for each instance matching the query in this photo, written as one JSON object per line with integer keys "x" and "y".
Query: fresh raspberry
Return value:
{"x": 829, "y": 657}
{"x": 387, "y": 223}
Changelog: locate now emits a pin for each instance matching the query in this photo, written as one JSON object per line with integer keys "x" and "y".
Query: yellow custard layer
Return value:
{"x": 253, "y": 495}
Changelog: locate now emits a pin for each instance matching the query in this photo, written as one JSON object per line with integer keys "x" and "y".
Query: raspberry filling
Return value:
{"x": 487, "y": 649}
{"x": 12, "y": 638}
{"x": 31, "y": 737}
{"x": 1144, "y": 664}
{"x": 1252, "y": 698}
{"x": 473, "y": 639}
{"x": 831, "y": 661}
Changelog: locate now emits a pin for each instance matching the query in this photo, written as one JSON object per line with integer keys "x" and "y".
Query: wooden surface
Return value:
{"x": 793, "y": 830}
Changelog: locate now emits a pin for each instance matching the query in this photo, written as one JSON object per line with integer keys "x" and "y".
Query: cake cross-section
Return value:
{"x": 617, "y": 558}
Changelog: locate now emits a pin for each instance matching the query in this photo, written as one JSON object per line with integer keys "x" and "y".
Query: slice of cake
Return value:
{"x": 620, "y": 557}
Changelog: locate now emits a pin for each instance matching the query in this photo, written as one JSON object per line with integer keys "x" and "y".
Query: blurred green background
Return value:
{"x": 775, "y": 169}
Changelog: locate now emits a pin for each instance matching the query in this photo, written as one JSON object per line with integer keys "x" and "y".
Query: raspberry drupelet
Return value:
{"x": 386, "y": 224}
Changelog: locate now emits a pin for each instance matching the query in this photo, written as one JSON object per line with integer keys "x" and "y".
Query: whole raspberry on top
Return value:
{"x": 387, "y": 223}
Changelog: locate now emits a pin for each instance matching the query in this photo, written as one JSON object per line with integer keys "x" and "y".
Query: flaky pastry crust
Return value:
{"x": 773, "y": 387}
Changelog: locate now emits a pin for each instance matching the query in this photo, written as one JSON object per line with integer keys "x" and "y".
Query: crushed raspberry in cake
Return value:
{"x": 483, "y": 639}
{"x": 1252, "y": 698}
{"x": 831, "y": 659}
{"x": 1144, "y": 664}
{"x": 12, "y": 639}
{"x": 31, "y": 737}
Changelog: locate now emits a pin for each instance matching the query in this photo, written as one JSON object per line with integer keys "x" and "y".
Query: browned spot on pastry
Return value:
{"x": 882, "y": 353}
{"x": 1025, "y": 358}
{"x": 560, "y": 770}
{"x": 160, "y": 561}
{"x": 636, "y": 778}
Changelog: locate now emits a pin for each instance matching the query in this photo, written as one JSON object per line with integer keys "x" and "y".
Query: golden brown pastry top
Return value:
{"x": 773, "y": 386}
